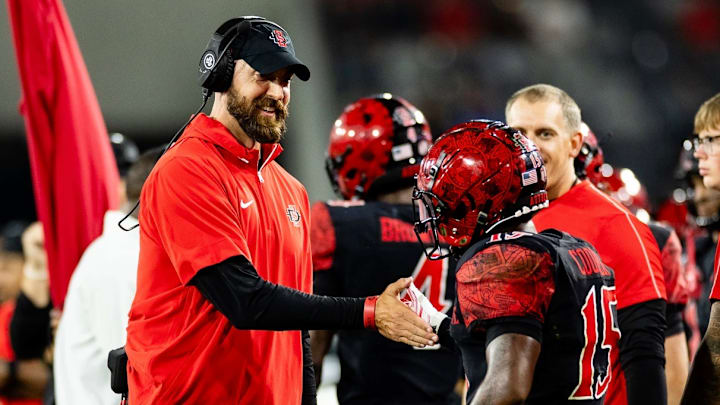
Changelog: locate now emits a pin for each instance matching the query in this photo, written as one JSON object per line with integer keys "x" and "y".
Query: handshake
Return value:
{"x": 415, "y": 323}
{"x": 421, "y": 306}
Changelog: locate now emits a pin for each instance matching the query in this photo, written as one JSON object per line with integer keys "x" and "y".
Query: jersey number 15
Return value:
{"x": 599, "y": 315}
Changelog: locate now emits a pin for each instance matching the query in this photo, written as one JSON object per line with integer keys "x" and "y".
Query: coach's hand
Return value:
{"x": 397, "y": 322}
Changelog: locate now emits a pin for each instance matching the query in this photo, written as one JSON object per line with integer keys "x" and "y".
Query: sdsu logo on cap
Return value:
{"x": 278, "y": 37}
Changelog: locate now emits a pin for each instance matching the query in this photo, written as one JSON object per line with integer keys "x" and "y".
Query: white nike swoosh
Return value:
{"x": 244, "y": 204}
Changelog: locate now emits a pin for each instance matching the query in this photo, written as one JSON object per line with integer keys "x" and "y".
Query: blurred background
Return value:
{"x": 639, "y": 70}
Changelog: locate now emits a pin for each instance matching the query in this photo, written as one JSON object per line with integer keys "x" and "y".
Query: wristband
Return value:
{"x": 369, "y": 312}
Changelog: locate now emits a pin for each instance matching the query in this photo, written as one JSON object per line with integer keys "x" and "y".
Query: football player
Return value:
{"x": 366, "y": 239}
{"x": 534, "y": 316}
{"x": 551, "y": 118}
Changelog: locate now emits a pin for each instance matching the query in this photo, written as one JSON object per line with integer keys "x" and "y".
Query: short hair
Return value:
{"x": 540, "y": 91}
{"x": 139, "y": 171}
{"x": 708, "y": 115}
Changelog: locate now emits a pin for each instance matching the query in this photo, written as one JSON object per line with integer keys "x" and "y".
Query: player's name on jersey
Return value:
{"x": 586, "y": 260}
{"x": 396, "y": 230}
{"x": 589, "y": 263}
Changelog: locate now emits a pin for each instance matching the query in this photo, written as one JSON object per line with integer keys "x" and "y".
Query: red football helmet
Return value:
{"x": 590, "y": 158}
{"x": 622, "y": 184}
{"x": 375, "y": 146}
{"x": 477, "y": 176}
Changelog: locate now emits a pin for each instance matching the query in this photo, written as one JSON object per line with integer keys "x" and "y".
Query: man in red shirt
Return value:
{"x": 225, "y": 274}
{"x": 551, "y": 118}
{"x": 703, "y": 386}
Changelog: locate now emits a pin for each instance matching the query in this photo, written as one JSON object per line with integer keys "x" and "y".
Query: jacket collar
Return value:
{"x": 211, "y": 130}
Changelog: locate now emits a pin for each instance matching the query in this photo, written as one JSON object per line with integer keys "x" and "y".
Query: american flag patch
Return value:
{"x": 529, "y": 177}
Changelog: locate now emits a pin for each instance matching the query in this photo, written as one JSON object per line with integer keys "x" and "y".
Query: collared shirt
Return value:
{"x": 208, "y": 199}
{"x": 624, "y": 243}
{"x": 715, "y": 291}
{"x": 95, "y": 315}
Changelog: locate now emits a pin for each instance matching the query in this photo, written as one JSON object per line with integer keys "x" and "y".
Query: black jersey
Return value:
{"x": 552, "y": 287}
{"x": 358, "y": 249}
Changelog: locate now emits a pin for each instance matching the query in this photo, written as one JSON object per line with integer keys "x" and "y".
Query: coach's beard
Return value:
{"x": 258, "y": 127}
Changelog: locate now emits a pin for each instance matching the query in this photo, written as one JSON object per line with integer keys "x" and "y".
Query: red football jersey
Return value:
{"x": 208, "y": 199}
{"x": 624, "y": 243}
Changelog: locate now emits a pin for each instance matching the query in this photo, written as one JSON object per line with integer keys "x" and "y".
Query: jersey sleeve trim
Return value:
{"x": 522, "y": 326}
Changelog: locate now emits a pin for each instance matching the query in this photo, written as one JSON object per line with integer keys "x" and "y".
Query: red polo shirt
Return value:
{"x": 715, "y": 292}
{"x": 624, "y": 243}
{"x": 205, "y": 201}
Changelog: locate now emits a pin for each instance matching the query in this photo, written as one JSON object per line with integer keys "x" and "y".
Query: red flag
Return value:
{"x": 73, "y": 169}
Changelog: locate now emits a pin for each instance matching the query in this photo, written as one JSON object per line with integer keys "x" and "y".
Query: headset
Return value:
{"x": 217, "y": 63}
{"x": 216, "y": 72}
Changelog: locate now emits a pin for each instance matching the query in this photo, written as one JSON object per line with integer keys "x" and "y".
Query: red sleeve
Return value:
{"x": 715, "y": 292}
{"x": 675, "y": 283}
{"x": 505, "y": 280}
{"x": 322, "y": 237}
{"x": 193, "y": 217}
{"x": 630, "y": 249}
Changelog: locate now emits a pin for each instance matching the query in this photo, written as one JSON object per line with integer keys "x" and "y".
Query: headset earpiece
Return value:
{"x": 217, "y": 64}
{"x": 220, "y": 77}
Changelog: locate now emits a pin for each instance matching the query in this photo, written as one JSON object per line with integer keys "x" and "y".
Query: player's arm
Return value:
{"x": 640, "y": 288}
{"x": 504, "y": 293}
{"x": 199, "y": 229}
{"x": 326, "y": 278}
{"x": 677, "y": 364}
{"x": 642, "y": 352}
{"x": 320, "y": 345}
{"x": 24, "y": 378}
{"x": 703, "y": 385}
{"x": 677, "y": 361}
{"x": 511, "y": 362}
{"x": 234, "y": 287}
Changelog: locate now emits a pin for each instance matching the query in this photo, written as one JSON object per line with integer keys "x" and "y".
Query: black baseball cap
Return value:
{"x": 267, "y": 47}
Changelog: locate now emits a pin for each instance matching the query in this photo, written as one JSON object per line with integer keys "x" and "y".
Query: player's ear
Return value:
{"x": 576, "y": 142}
